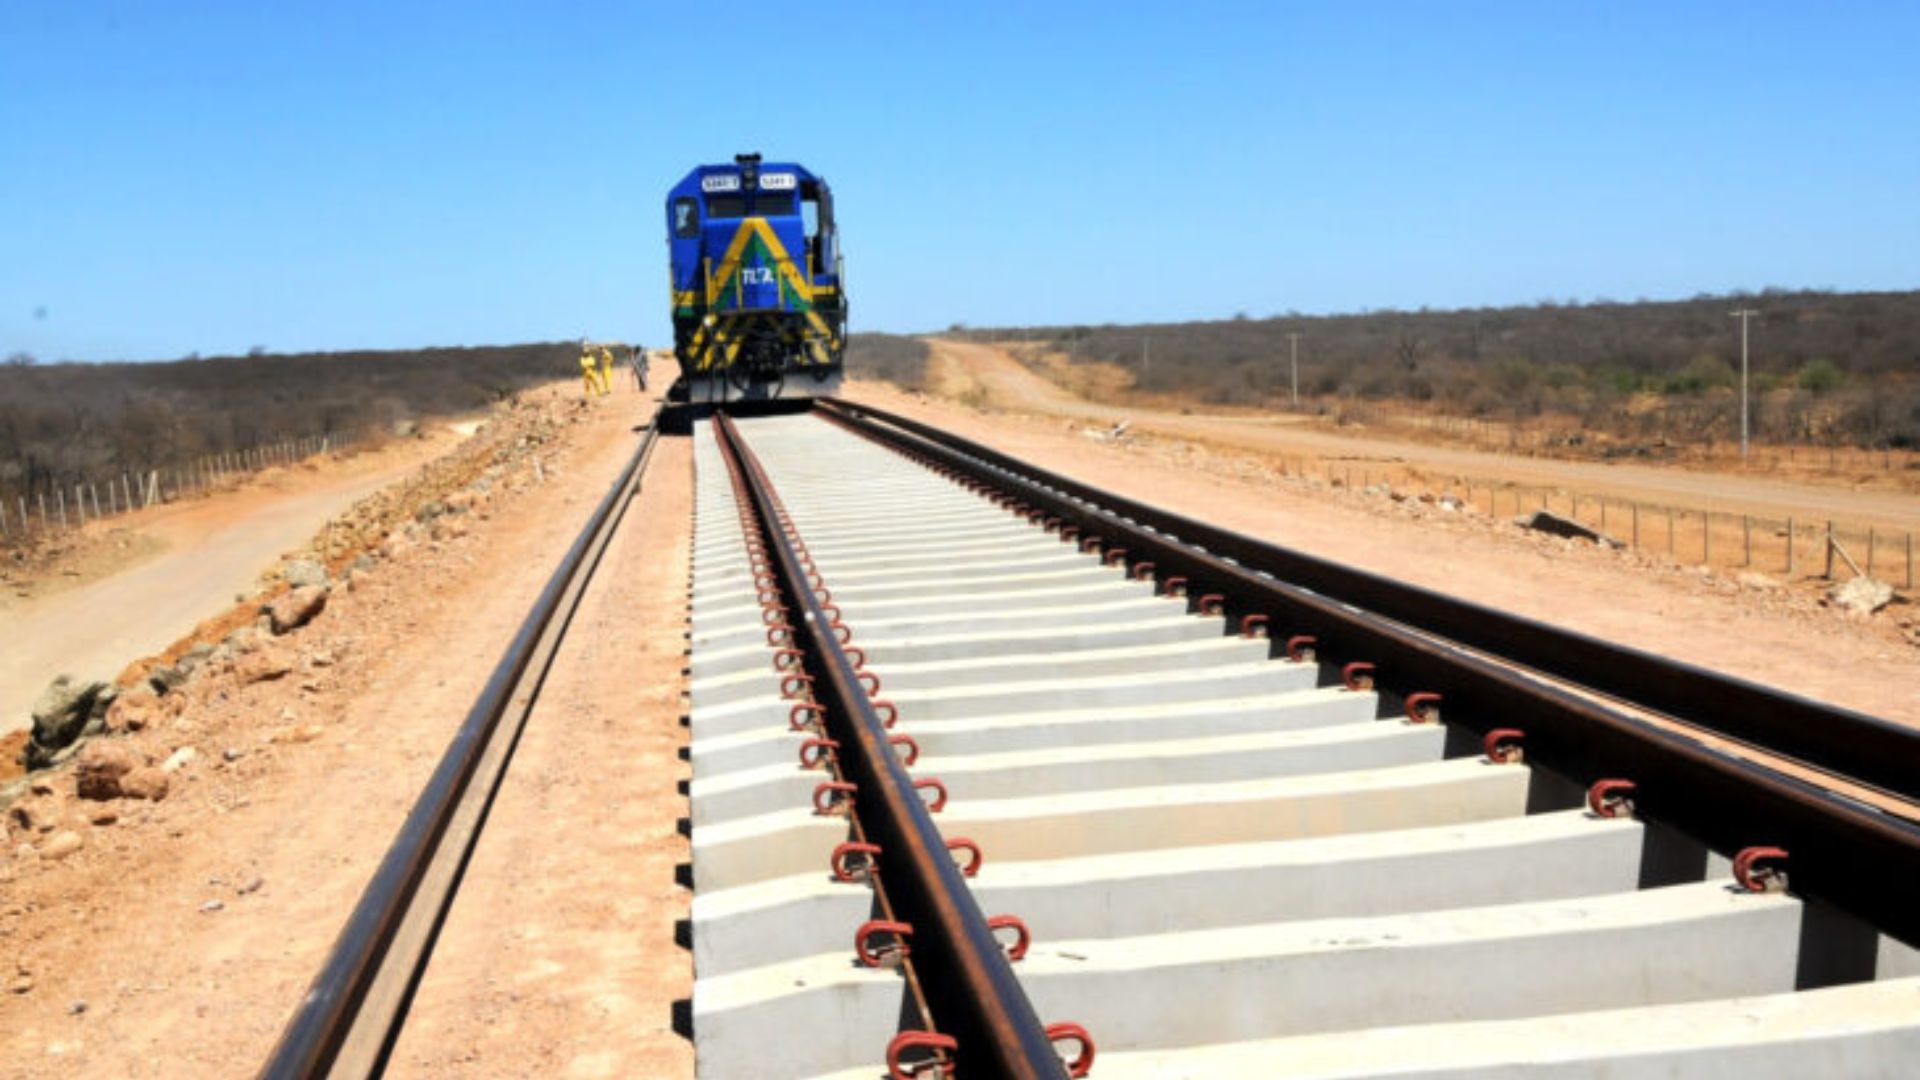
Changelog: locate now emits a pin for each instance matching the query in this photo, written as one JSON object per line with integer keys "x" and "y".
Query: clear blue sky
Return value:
{"x": 195, "y": 176}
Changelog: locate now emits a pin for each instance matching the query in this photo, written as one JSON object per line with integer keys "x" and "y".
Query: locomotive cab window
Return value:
{"x": 686, "y": 218}
{"x": 774, "y": 204}
{"x": 726, "y": 206}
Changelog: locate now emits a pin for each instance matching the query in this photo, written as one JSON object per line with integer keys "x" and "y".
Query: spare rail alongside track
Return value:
{"x": 351, "y": 1016}
{"x": 1861, "y": 859}
{"x": 1863, "y": 748}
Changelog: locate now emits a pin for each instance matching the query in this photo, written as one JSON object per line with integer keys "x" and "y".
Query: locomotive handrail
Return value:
{"x": 1862, "y": 748}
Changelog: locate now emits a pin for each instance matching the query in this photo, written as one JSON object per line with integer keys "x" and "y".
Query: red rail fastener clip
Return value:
{"x": 1022, "y": 937}
{"x": 889, "y": 709}
{"x": 869, "y": 680}
{"x": 1252, "y": 623}
{"x": 1213, "y": 604}
{"x": 825, "y": 596}
{"x": 1090, "y": 544}
{"x": 931, "y": 1041}
{"x": 773, "y": 614}
{"x": 813, "y": 752}
{"x": 796, "y": 684}
{"x": 1068, "y": 532}
{"x": 1423, "y": 708}
{"x": 1357, "y": 675}
{"x": 1611, "y": 798}
{"x": 1174, "y": 586}
{"x": 1761, "y": 869}
{"x": 1142, "y": 571}
{"x": 833, "y": 610}
{"x": 826, "y": 806}
{"x": 1113, "y": 556}
{"x": 1502, "y": 746}
{"x": 975, "y": 858}
{"x": 794, "y": 655}
{"x": 856, "y": 656}
{"x": 870, "y": 957}
{"x": 1082, "y": 1062}
{"x": 913, "y": 748}
{"x": 779, "y": 634}
{"x": 841, "y": 861}
{"x": 842, "y": 633}
{"x": 939, "y": 794}
{"x": 1300, "y": 648}
{"x": 805, "y": 708}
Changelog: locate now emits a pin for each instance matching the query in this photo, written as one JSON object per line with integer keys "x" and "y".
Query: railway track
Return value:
{"x": 998, "y": 773}
{"x": 1227, "y": 822}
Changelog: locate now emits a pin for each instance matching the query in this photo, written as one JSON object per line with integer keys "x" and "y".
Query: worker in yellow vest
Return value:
{"x": 606, "y": 370}
{"x": 588, "y": 374}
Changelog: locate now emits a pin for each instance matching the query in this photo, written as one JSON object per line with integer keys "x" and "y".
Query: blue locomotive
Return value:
{"x": 758, "y": 303}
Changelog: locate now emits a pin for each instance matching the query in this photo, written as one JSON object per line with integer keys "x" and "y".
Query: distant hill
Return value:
{"x": 1825, "y": 366}
{"x": 67, "y": 422}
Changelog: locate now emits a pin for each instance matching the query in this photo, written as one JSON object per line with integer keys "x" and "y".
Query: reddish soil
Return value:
{"x": 135, "y": 583}
{"x": 178, "y": 937}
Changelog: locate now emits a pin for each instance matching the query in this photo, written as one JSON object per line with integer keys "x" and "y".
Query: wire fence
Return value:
{"x": 74, "y": 502}
{"x": 1790, "y": 548}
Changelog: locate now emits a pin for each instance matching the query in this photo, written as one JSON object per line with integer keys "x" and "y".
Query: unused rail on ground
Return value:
{"x": 352, "y": 1015}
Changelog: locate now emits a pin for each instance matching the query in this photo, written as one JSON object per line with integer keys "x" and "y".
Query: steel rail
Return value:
{"x": 1862, "y": 748}
{"x": 352, "y": 1014}
{"x": 971, "y": 988}
{"x": 1861, "y": 859}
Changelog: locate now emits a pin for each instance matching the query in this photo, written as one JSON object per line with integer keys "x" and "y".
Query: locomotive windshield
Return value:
{"x": 765, "y": 204}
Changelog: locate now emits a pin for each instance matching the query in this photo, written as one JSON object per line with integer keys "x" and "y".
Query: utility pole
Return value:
{"x": 1293, "y": 349}
{"x": 1744, "y": 314}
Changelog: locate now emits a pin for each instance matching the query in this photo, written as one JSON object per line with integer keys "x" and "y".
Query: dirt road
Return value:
{"x": 201, "y": 554}
{"x": 1769, "y": 634}
{"x": 959, "y": 370}
{"x": 178, "y": 937}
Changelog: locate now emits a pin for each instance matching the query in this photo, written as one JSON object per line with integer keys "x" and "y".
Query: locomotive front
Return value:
{"x": 758, "y": 308}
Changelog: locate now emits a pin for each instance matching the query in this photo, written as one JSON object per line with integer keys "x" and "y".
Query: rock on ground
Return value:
{"x": 262, "y": 664}
{"x": 102, "y": 767}
{"x": 61, "y": 714}
{"x": 1555, "y": 525}
{"x": 297, "y": 608}
{"x": 304, "y": 573}
{"x": 1861, "y": 596}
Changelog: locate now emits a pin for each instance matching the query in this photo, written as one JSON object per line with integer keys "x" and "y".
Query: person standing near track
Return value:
{"x": 606, "y": 370}
{"x": 637, "y": 359}
{"x": 588, "y": 375}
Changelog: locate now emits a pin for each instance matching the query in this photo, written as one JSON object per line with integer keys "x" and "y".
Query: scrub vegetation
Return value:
{"x": 1831, "y": 369}
{"x": 64, "y": 423}
{"x": 889, "y": 358}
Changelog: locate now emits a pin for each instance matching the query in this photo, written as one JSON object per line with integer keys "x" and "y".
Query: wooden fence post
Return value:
{"x": 1829, "y": 545}
{"x": 1636, "y": 524}
{"x": 93, "y": 490}
{"x": 61, "y": 497}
